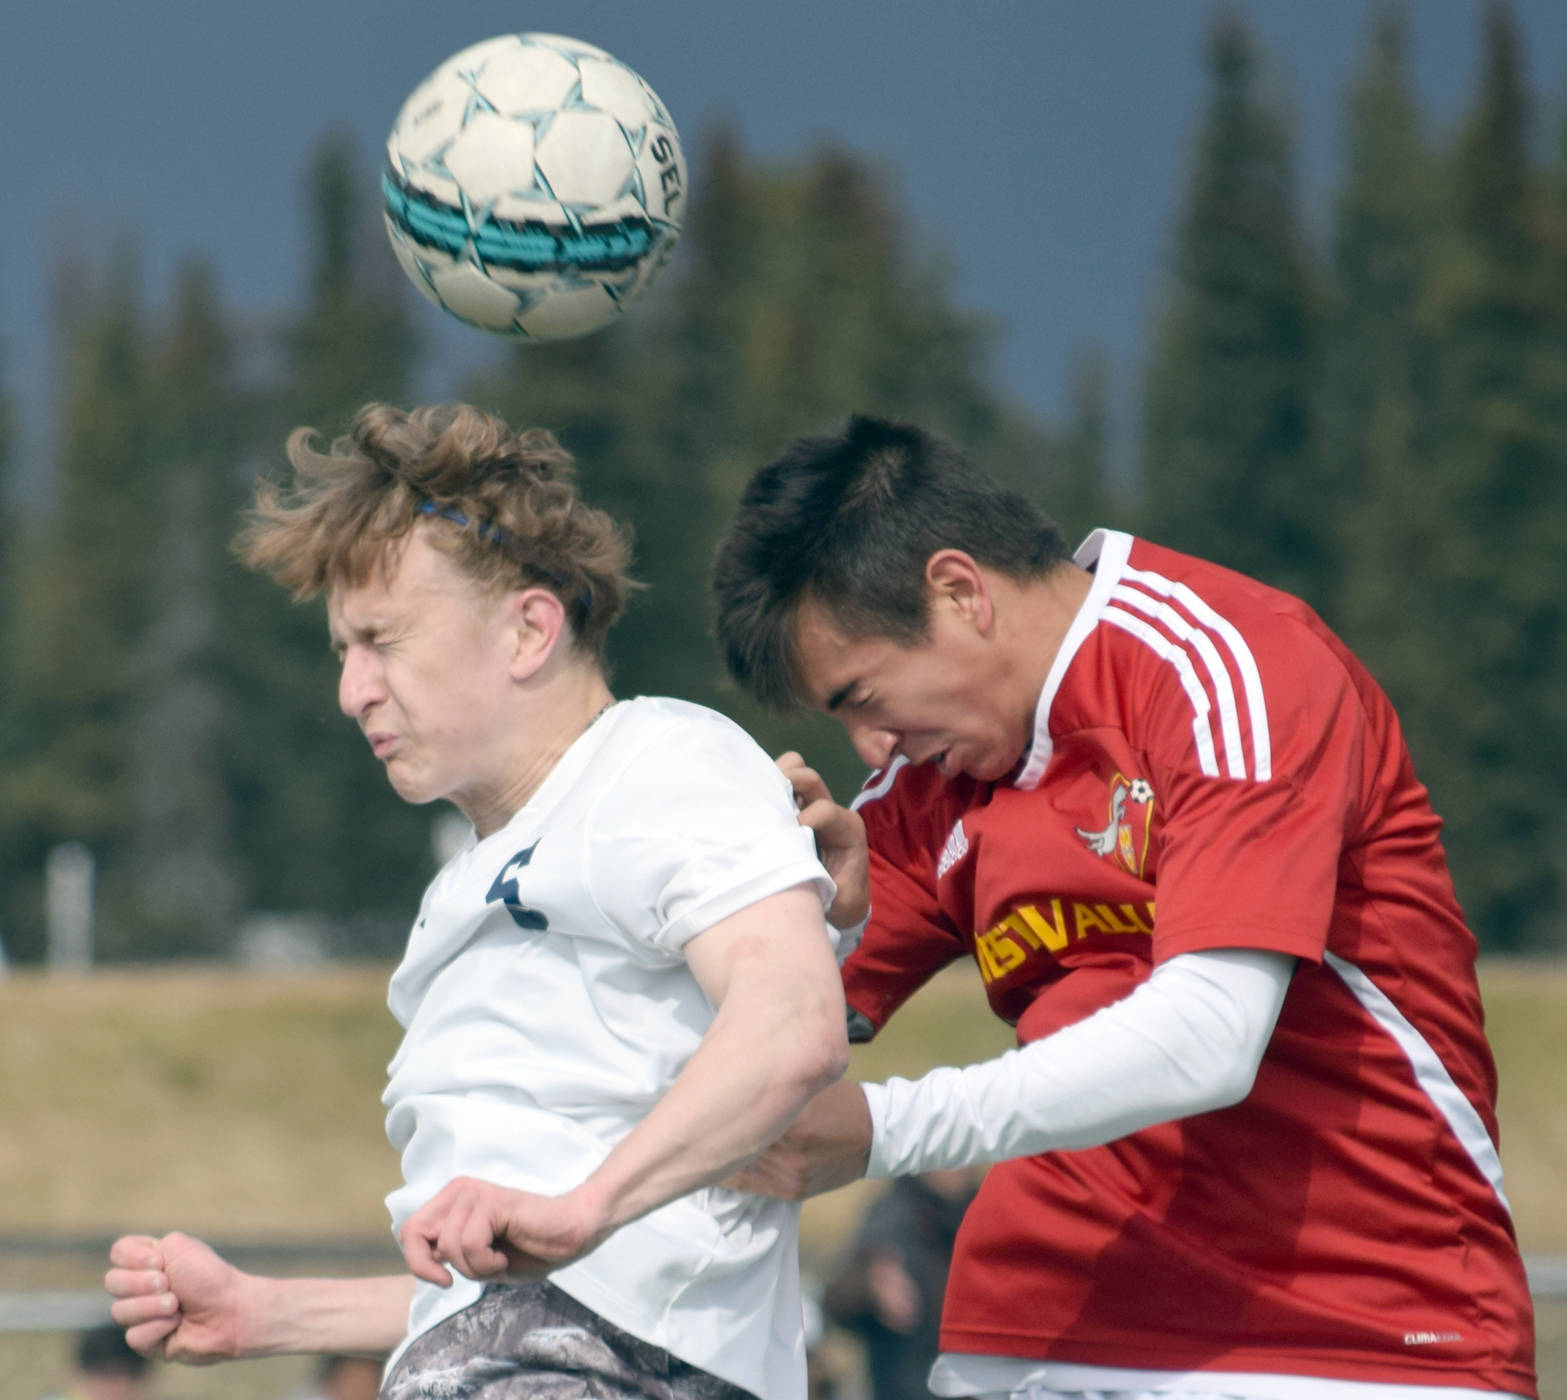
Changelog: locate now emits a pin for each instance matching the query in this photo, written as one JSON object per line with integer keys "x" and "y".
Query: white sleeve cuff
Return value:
{"x": 1186, "y": 1041}
{"x": 846, "y": 940}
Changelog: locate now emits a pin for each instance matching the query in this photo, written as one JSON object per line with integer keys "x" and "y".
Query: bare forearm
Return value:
{"x": 179, "y": 1300}
{"x": 777, "y": 1037}
{"x": 757, "y": 1066}
{"x": 755, "y": 1069}
{"x": 356, "y": 1316}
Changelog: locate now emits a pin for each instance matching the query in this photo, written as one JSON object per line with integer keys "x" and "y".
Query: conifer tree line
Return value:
{"x": 1365, "y": 404}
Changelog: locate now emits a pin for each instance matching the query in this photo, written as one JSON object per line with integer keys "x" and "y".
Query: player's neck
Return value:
{"x": 556, "y": 716}
{"x": 1035, "y": 626}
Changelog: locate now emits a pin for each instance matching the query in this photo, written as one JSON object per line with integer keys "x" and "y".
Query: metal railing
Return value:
{"x": 69, "y": 1310}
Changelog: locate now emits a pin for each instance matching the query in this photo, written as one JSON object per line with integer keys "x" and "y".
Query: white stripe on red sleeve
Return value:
{"x": 1160, "y": 645}
{"x": 1179, "y": 627}
{"x": 878, "y": 784}
{"x": 1218, "y": 675}
{"x": 1256, "y": 709}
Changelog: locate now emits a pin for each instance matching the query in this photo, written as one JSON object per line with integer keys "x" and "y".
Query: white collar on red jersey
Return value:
{"x": 1105, "y": 553}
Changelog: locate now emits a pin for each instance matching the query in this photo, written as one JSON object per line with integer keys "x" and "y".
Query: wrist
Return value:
{"x": 260, "y": 1317}
{"x": 595, "y": 1208}
{"x": 293, "y": 1316}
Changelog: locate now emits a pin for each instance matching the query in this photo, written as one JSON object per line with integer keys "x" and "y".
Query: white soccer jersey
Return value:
{"x": 548, "y": 1007}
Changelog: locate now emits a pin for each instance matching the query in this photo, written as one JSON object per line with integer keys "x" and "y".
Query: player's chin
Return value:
{"x": 983, "y": 765}
{"x": 414, "y": 787}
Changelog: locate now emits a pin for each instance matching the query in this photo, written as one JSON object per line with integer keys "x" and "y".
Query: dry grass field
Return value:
{"x": 246, "y": 1108}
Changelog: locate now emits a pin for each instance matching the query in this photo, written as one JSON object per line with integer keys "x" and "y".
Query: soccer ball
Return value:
{"x": 534, "y": 186}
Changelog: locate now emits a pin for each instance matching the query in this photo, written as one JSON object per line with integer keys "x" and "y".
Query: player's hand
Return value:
{"x": 827, "y": 1146}
{"x": 176, "y": 1299}
{"x": 490, "y": 1233}
{"x": 840, "y": 840}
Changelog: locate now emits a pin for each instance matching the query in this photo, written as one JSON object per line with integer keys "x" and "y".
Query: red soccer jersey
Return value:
{"x": 1211, "y": 768}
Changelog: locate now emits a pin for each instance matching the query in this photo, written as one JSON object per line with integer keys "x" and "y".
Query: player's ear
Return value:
{"x": 535, "y": 620}
{"x": 954, "y": 578}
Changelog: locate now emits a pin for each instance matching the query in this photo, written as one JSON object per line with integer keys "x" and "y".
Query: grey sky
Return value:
{"x": 1043, "y": 145}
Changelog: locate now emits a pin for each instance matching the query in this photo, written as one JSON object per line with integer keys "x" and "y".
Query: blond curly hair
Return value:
{"x": 505, "y": 503}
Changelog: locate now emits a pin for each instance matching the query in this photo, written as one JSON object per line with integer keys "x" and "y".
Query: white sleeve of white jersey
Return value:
{"x": 699, "y": 825}
{"x": 1186, "y": 1041}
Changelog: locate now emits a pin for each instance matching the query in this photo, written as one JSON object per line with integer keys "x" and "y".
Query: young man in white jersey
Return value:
{"x": 1247, "y": 1146}
{"x": 621, "y": 988}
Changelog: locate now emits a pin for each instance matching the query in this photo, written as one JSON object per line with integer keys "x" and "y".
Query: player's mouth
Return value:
{"x": 939, "y": 761}
{"x": 381, "y": 745}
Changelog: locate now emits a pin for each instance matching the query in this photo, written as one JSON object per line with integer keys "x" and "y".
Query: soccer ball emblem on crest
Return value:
{"x": 534, "y": 186}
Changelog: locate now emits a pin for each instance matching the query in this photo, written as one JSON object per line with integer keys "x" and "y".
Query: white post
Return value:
{"x": 68, "y": 907}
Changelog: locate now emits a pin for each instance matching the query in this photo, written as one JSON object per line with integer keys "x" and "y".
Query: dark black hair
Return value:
{"x": 850, "y": 519}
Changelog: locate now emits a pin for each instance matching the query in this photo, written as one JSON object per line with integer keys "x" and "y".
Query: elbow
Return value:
{"x": 837, "y": 1061}
{"x": 1216, "y": 1057}
{"x": 819, "y": 1051}
{"x": 1220, "y": 1009}
{"x": 1219, "y": 1076}
{"x": 819, "y": 1033}
{"x": 1234, "y": 1086}
{"x": 828, "y": 1060}
{"x": 1230, "y": 1080}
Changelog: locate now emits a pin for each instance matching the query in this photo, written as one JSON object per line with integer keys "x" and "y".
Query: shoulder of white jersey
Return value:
{"x": 666, "y": 708}
{"x": 671, "y": 719}
{"x": 695, "y": 745}
{"x": 1193, "y": 619}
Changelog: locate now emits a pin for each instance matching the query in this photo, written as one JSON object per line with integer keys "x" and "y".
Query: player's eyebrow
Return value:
{"x": 365, "y": 629}
{"x": 839, "y": 696}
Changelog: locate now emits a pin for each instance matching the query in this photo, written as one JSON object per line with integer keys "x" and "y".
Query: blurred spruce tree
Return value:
{"x": 1230, "y": 467}
{"x": 1377, "y": 435}
{"x": 1393, "y": 448}
{"x": 1546, "y": 710}
{"x": 1498, "y": 457}
{"x": 186, "y": 884}
{"x": 354, "y": 341}
{"x": 1084, "y": 497}
{"x": 82, "y": 599}
{"x": 796, "y": 298}
{"x": 316, "y": 824}
{"x": 12, "y": 838}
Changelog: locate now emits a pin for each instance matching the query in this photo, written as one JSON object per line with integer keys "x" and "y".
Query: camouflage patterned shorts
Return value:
{"x": 532, "y": 1340}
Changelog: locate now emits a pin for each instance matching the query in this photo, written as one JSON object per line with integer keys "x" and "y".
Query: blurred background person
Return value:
{"x": 888, "y": 1290}
{"x": 106, "y": 1369}
{"x": 339, "y": 1377}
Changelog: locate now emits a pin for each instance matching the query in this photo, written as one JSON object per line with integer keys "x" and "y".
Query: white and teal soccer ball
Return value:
{"x": 534, "y": 186}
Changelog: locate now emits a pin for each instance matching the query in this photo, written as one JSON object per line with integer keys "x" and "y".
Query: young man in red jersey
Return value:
{"x": 1247, "y": 1145}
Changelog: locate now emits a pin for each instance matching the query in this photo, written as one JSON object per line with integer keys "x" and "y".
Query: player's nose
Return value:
{"x": 875, "y": 746}
{"x": 358, "y": 684}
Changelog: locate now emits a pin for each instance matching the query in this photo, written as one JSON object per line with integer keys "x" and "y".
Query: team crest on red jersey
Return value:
{"x": 1124, "y": 839}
